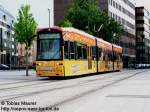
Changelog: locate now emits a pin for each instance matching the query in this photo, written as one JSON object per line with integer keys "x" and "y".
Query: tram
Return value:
{"x": 64, "y": 52}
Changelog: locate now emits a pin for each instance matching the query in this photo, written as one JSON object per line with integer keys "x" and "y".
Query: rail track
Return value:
{"x": 91, "y": 91}
{"x": 37, "y": 83}
{"x": 12, "y": 97}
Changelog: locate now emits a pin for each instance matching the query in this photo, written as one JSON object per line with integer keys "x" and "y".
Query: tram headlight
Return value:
{"x": 59, "y": 63}
{"x": 38, "y": 64}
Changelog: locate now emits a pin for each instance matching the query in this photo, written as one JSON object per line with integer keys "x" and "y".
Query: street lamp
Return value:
{"x": 11, "y": 36}
{"x": 113, "y": 39}
{"x": 26, "y": 2}
{"x": 114, "y": 34}
{"x": 96, "y": 42}
{"x": 98, "y": 28}
{"x": 49, "y": 12}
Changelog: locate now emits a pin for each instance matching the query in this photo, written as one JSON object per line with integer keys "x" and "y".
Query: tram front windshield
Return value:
{"x": 49, "y": 46}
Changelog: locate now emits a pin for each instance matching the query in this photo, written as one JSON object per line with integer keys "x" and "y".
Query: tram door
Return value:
{"x": 89, "y": 58}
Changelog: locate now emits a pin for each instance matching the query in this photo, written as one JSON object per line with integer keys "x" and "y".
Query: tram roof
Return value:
{"x": 117, "y": 48}
{"x": 71, "y": 29}
{"x": 114, "y": 45}
{"x": 51, "y": 28}
{"x": 68, "y": 29}
{"x": 103, "y": 41}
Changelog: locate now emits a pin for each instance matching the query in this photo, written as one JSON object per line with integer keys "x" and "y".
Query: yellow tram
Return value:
{"x": 66, "y": 52}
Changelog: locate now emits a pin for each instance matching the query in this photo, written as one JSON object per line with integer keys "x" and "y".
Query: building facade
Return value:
{"x": 60, "y": 10}
{"x": 22, "y": 54}
{"x": 122, "y": 11}
{"x": 8, "y": 45}
{"x": 142, "y": 36}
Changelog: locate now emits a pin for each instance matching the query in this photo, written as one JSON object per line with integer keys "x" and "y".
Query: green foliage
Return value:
{"x": 83, "y": 13}
{"x": 86, "y": 15}
{"x": 65, "y": 23}
{"x": 111, "y": 30}
{"x": 25, "y": 27}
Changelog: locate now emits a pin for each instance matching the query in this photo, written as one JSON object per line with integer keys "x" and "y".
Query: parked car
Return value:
{"x": 131, "y": 65}
{"x": 4, "y": 67}
{"x": 137, "y": 66}
{"x": 147, "y": 65}
{"x": 142, "y": 66}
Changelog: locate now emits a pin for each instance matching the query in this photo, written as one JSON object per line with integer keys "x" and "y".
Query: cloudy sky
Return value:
{"x": 40, "y": 8}
{"x": 145, "y": 3}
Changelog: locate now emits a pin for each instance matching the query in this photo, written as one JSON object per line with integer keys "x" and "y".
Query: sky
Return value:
{"x": 40, "y": 9}
{"x": 145, "y": 3}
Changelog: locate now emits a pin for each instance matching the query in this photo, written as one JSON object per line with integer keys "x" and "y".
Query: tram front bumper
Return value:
{"x": 46, "y": 70}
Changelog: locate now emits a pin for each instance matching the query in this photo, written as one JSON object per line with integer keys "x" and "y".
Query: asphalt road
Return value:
{"x": 125, "y": 91}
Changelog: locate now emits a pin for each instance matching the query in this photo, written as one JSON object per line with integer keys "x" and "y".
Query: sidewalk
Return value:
{"x": 130, "y": 95}
{"x": 18, "y": 75}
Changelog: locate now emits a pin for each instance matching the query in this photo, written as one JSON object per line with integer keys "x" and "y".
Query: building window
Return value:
{"x": 4, "y": 17}
{"x": 5, "y": 45}
{"x": 111, "y": 2}
{"x": 110, "y": 14}
{"x": 12, "y": 46}
{"x": 123, "y": 21}
{"x": 139, "y": 18}
{"x": 4, "y": 34}
{"x": 119, "y": 19}
{"x": 12, "y": 21}
{"x": 13, "y": 39}
{"x": 116, "y": 6}
{"x": 13, "y": 53}
{"x": 120, "y": 7}
{"x": 113, "y": 15}
{"x": 114, "y": 3}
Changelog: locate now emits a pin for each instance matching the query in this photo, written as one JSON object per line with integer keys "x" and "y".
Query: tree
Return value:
{"x": 25, "y": 29}
{"x": 86, "y": 15}
{"x": 82, "y": 14}
{"x": 111, "y": 30}
{"x": 65, "y": 23}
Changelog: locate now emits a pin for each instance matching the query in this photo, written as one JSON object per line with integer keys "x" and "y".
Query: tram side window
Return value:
{"x": 120, "y": 58}
{"x": 84, "y": 52}
{"x": 105, "y": 57}
{"x": 79, "y": 51}
{"x": 93, "y": 52}
{"x": 99, "y": 52}
{"x": 72, "y": 50}
{"x": 110, "y": 56}
{"x": 66, "y": 50}
{"x": 115, "y": 56}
